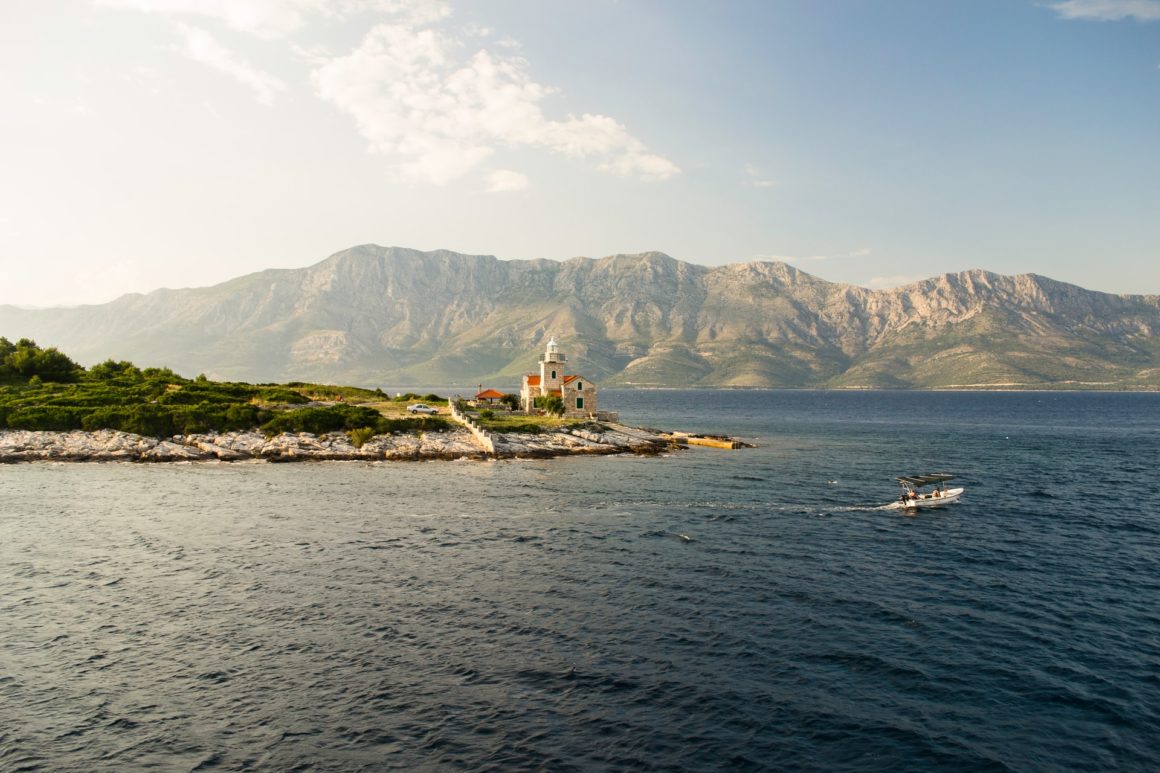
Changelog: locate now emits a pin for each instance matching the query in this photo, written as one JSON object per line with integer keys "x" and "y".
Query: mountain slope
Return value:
{"x": 378, "y": 316}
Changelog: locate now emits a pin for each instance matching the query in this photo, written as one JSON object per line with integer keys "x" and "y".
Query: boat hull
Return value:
{"x": 928, "y": 500}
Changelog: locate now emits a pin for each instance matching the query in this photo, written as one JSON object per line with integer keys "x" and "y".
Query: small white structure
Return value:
{"x": 577, "y": 392}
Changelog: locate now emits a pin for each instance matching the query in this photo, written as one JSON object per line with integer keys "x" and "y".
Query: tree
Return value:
{"x": 553, "y": 404}
{"x": 110, "y": 369}
{"x": 148, "y": 420}
{"x": 6, "y": 350}
{"x": 26, "y": 360}
{"x": 162, "y": 374}
{"x": 54, "y": 365}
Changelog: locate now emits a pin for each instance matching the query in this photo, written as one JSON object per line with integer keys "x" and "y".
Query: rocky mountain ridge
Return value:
{"x": 382, "y": 316}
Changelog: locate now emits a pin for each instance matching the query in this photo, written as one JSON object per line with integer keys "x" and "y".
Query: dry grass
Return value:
{"x": 394, "y": 410}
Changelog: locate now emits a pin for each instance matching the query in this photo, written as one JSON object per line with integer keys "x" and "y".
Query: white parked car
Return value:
{"x": 421, "y": 408}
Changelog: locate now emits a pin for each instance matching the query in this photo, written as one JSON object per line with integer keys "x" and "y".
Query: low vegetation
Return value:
{"x": 553, "y": 404}
{"x": 43, "y": 389}
{"x": 502, "y": 420}
{"x": 342, "y": 418}
{"x": 520, "y": 424}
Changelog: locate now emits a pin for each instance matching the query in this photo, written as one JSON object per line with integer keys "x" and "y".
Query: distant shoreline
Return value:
{"x": 1007, "y": 388}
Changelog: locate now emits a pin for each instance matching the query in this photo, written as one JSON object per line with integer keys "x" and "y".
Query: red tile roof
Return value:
{"x": 533, "y": 380}
{"x": 570, "y": 379}
{"x": 489, "y": 394}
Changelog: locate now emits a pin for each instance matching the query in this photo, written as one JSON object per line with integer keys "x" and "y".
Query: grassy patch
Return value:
{"x": 505, "y": 422}
{"x": 327, "y": 392}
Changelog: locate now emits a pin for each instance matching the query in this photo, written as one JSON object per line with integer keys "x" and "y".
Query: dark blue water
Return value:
{"x": 549, "y": 614}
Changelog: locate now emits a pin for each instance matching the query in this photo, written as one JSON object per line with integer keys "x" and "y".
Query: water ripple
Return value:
{"x": 682, "y": 613}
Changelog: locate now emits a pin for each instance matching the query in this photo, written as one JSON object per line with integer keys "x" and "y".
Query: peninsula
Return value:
{"x": 52, "y": 409}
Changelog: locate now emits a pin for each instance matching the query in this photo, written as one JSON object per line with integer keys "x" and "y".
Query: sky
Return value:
{"x": 181, "y": 143}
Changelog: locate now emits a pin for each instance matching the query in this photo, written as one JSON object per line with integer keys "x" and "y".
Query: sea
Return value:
{"x": 701, "y": 610}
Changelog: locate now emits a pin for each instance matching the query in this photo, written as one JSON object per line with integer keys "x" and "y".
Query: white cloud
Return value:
{"x": 437, "y": 116}
{"x": 503, "y": 180}
{"x": 264, "y": 18}
{"x": 147, "y": 79}
{"x": 417, "y": 95}
{"x": 413, "y": 12}
{"x": 859, "y": 253}
{"x": 278, "y": 18}
{"x": 200, "y": 46}
{"x": 313, "y": 54}
{"x": 756, "y": 179}
{"x": 76, "y": 109}
{"x": 1109, "y": 10}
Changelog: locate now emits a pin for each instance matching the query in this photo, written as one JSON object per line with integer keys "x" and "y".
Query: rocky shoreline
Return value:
{"x": 114, "y": 446}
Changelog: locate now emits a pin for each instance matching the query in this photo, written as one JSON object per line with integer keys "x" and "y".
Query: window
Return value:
{"x": 553, "y": 375}
{"x": 579, "y": 386}
{"x": 579, "y": 402}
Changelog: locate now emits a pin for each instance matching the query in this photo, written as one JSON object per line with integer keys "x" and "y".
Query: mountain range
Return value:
{"x": 384, "y": 316}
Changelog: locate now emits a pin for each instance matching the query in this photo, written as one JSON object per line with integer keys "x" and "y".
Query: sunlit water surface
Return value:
{"x": 705, "y": 610}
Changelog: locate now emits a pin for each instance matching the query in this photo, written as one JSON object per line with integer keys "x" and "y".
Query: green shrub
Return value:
{"x": 282, "y": 395}
{"x": 26, "y": 360}
{"x": 416, "y": 424}
{"x": 360, "y": 436}
{"x": 104, "y": 418}
{"x": 110, "y": 370}
{"x": 332, "y": 418}
{"x": 45, "y": 418}
{"x": 332, "y": 392}
{"x": 553, "y": 404}
{"x": 523, "y": 427}
{"x": 182, "y": 397}
{"x": 163, "y": 374}
{"x": 117, "y": 395}
{"x": 149, "y": 420}
{"x": 192, "y": 425}
{"x": 241, "y": 417}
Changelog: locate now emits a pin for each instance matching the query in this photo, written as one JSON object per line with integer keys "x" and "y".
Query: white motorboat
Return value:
{"x": 915, "y": 496}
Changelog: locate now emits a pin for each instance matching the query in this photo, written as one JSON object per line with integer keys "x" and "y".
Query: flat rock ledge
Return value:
{"x": 113, "y": 446}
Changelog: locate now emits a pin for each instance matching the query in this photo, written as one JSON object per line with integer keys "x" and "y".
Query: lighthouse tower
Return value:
{"x": 576, "y": 392}
{"x": 551, "y": 368}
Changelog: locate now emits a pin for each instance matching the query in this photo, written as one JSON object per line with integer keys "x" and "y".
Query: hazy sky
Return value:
{"x": 177, "y": 143}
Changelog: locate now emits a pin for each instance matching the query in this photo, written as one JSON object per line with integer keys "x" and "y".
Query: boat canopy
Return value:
{"x": 925, "y": 480}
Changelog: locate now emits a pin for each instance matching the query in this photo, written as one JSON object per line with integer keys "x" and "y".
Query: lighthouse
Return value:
{"x": 577, "y": 393}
